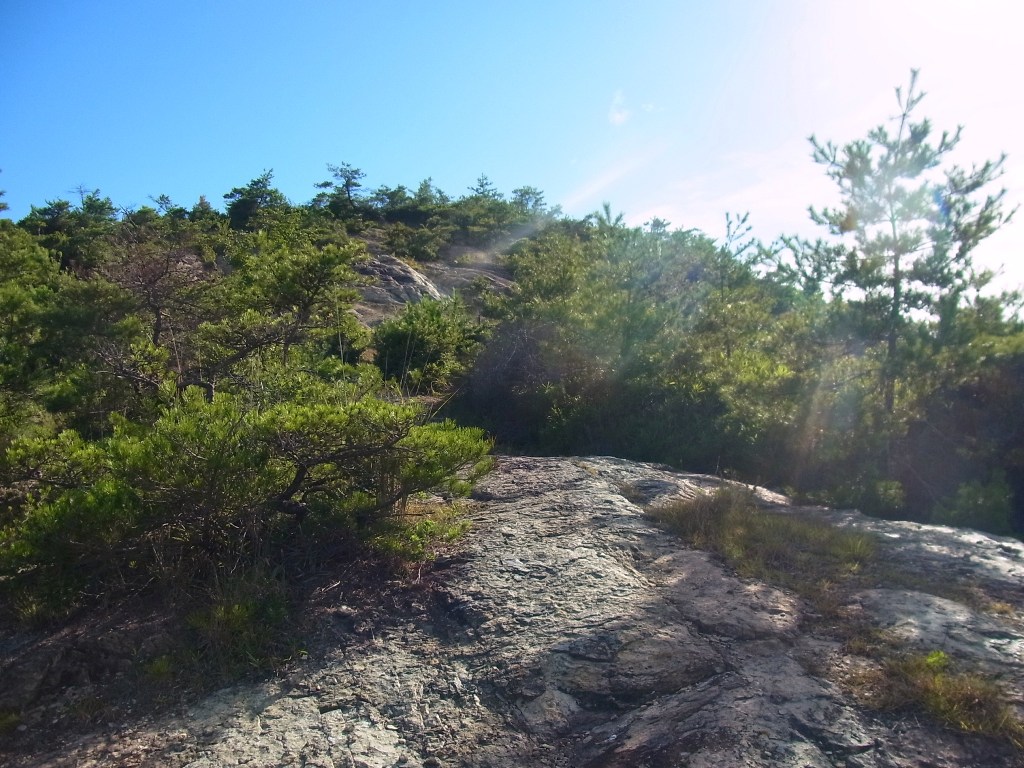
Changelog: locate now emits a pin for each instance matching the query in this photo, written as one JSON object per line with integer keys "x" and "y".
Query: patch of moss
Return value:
{"x": 10, "y": 719}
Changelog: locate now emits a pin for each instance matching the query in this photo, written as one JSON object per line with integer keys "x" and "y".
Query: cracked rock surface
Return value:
{"x": 572, "y": 632}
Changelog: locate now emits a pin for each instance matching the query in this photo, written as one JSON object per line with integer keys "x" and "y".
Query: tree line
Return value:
{"x": 873, "y": 367}
{"x": 186, "y": 395}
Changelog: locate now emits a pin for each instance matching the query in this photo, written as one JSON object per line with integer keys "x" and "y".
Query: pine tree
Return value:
{"x": 908, "y": 229}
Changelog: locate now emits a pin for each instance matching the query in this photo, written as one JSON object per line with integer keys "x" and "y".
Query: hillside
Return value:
{"x": 566, "y": 630}
{"x": 236, "y": 447}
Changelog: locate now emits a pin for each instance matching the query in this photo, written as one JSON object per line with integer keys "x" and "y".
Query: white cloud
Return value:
{"x": 618, "y": 114}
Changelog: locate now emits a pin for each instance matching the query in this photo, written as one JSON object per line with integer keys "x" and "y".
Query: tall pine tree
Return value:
{"x": 908, "y": 228}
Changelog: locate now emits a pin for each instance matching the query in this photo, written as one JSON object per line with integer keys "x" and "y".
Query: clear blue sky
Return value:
{"x": 683, "y": 110}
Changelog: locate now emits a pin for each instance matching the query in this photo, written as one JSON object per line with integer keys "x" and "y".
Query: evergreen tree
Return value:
{"x": 256, "y": 197}
{"x": 908, "y": 230}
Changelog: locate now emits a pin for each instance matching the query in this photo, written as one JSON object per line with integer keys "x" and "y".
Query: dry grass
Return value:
{"x": 825, "y": 564}
{"x": 932, "y": 683}
{"x": 810, "y": 557}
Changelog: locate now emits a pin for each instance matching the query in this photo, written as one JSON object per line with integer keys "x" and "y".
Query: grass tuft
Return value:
{"x": 415, "y": 535}
{"x": 243, "y": 626}
{"x": 824, "y": 564}
{"x": 930, "y": 682}
{"x": 805, "y": 555}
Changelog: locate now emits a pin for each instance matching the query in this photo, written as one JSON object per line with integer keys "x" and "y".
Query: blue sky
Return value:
{"x": 682, "y": 110}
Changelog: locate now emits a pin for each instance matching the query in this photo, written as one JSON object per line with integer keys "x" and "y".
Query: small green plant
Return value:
{"x": 160, "y": 669}
{"x": 964, "y": 700}
{"x": 10, "y": 719}
{"x": 243, "y": 624}
{"x": 420, "y": 530}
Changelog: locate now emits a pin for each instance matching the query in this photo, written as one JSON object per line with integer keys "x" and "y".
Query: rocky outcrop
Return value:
{"x": 391, "y": 284}
{"x": 569, "y": 631}
{"x": 468, "y": 271}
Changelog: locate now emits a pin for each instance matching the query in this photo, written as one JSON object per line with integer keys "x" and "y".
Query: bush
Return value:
{"x": 428, "y": 344}
{"x": 215, "y": 486}
{"x": 983, "y": 506}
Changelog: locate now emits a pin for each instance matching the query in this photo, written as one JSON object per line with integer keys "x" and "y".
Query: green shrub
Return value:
{"x": 216, "y": 486}
{"x": 983, "y": 506}
{"x": 428, "y": 344}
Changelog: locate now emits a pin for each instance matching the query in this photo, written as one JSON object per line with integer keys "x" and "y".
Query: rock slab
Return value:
{"x": 572, "y": 632}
